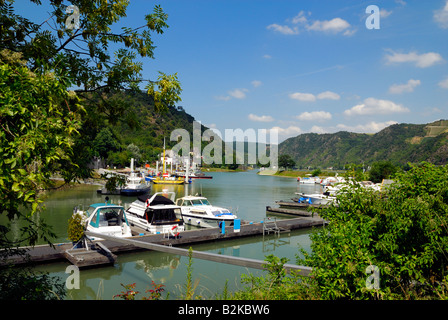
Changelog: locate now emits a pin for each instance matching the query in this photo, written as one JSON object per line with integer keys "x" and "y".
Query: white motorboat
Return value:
{"x": 156, "y": 213}
{"x": 107, "y": 219}
{"x": 308, "y": 180}
{"x": 315, "y": 198}
{"x": 134, "y": 184}
{"x": 197, "y": 211}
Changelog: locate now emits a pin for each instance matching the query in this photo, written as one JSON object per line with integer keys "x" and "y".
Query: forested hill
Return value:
{"x": 140, "y": 130}
{"x": 399, "y": 143}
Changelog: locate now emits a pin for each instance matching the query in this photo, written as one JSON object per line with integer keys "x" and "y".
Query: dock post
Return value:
{"x": 223, "y": 227}
{"x": 236, "y": 225}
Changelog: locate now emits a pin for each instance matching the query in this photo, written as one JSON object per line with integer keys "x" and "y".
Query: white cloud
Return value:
{"x": 267, "y": 56}
{"x": 375, "y": 106}
{"x": 444, "y": 83}
{"x": 254, "y": 117}
{"x": 328, "y": 95}
{"x": 441, "y": 16}
{"x": 223, "y": 98}
{"x": 235, "y": 93}
{"x": 317, "y": 129}
{"x": 238, "y": 93}
{"x": 302, "y": 96}
{"x": 384, "y": 13}
{"x": 283, "y": 29}
{"x": 371, "y": 127}
{"x": 423, "y": 60}
{"x": 300, "y": 18}
{"x": 407, "y": 87}
{"x": 311, "y": 97}
{"x": 287, "y": 132}
{"x": 256, "y": 83}
{"x": 335, "y": 25}
{"x": 314, "y": 116}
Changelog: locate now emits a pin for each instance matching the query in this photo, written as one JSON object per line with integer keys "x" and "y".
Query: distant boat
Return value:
{"x": 134, "y": 186}
{"x": 315, "y": 198}
{"x": 166, "y": 178}
{"x": 197, "y": 211}
{"x": 195, "y": 175}
{"x": 309, "y": 180}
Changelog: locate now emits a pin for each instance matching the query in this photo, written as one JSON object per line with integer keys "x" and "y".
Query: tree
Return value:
{"x": 39, "y": 120}
{"x": 286, "y": 161}
{"x": 403, "y": 232}
{"x": 81, "y": 55}
{"x": 105, "y": 143}
{"x": 45, "y": 127}
{"x": 381, "y": 170}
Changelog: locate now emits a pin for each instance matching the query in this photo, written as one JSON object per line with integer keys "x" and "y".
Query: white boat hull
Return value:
{"x": 205, "y": 222}
{"x": 136, "y": 217}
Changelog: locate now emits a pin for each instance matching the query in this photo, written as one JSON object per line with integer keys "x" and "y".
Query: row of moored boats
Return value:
{"x": 157, "y": 213}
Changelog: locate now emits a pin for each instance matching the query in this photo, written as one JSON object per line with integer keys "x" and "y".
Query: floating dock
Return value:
{"x": 106, "y": 250}
{"x": 295, "y": 208}
{"x": 295, "y": 212}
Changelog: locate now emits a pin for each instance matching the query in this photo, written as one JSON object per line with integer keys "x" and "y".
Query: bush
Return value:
{"x": 403, "y": 232}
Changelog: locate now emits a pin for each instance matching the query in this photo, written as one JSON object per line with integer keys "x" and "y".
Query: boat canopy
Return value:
{"x": 108, "y": 216}
{"x": 158, "y": 199}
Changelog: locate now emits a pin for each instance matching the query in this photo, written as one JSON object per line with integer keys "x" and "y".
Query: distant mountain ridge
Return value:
{"x": 399, "y": 143}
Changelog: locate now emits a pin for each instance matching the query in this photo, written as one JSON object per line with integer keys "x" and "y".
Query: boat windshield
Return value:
{"x": 163, "y": 216}
{"x": 197, "y": 202}
{"x": 200, "y": 202}
{"x": 108, "y": 217}
{"x": 221, "y": 212}
{"x": 90, "y": 210}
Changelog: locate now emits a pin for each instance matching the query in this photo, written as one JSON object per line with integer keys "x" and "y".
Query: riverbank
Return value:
{"x": 297, "y": 173}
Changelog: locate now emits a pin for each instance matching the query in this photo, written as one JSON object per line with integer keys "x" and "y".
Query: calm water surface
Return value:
{"x": 246, "y": 193}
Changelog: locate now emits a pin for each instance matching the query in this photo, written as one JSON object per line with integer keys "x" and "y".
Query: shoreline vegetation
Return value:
{"x": 299, "y": 173}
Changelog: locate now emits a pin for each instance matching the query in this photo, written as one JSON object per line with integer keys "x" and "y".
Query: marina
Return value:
{"x": 242, "y": 192}
{"x": 106, "y": 250}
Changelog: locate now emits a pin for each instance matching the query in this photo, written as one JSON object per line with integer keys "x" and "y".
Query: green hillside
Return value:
{"x": 399, "y": 143}
{"x": 139, "y": 133}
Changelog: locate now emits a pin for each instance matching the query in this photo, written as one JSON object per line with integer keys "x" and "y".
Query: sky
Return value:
{"x": 303, "y": 66}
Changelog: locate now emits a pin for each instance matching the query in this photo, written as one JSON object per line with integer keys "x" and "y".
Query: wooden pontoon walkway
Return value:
{"x": 46, "y": 254}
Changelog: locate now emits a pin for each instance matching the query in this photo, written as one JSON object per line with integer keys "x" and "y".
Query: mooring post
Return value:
{"x": 223, "y": 227}
{"x": 236, "y": 225}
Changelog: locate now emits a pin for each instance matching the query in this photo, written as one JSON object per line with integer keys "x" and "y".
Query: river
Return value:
{"x": 246, "y": 193}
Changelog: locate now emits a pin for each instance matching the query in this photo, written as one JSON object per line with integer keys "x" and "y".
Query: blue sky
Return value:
{"x": 303, "y": 66}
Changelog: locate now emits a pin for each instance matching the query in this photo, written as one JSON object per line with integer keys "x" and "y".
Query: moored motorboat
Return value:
{"x": 197, "y": 211}
{"x": 105, "y": 218}
{"x": 315, "y": 198}
{"x": 308, "y": 180}
{"x": 156, "y": 213}
{"x": 134, "y": 184}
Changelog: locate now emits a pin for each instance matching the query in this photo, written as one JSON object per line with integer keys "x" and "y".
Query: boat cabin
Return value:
{"x": 192, "y": 201}
{"x": 108, "y": 219}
